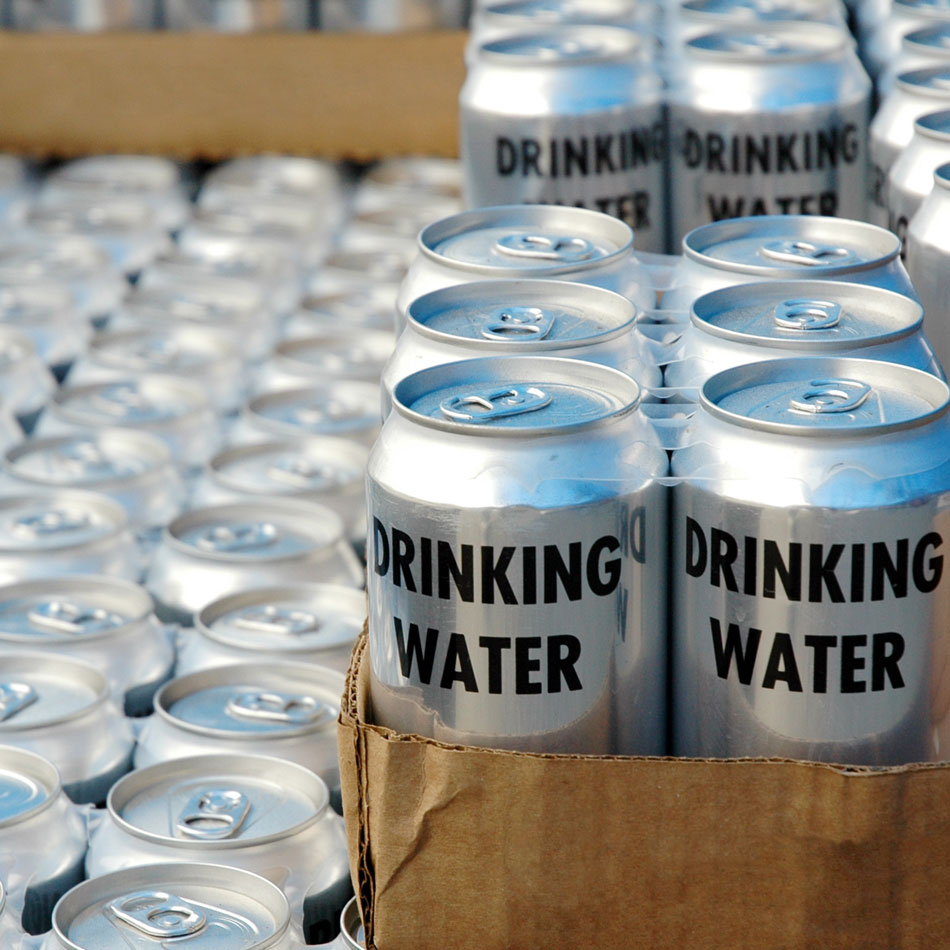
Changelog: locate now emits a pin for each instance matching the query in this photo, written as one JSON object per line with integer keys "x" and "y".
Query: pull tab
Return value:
{"x": 807, "y": 254}
{"x": 300, "y": 472}
{"x": 832, "y": 395}
{"x": 233, "y": 538}
{"x": 761, "y": 43}
{"x": 214, "y": 814}
{"x": 518, "y": 323}
{"x": 158, "y": 914}
{"x": 494, "y": 404}
{"x": 278, "y": 621}
{"x": 64, "y": 616}
{"x": 54, "y": 521}
{"x": 14, "y": 698}
{"x": 807, "y": 314}
{"x": 276, "y": 707}
{"x": 545, "y": 247}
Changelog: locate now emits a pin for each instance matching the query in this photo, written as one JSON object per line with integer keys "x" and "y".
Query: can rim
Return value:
{"x": 42, "y": 768}
{"x": 619, "y": 45}
{"x": 928, "y": 125}
{"x": 913, "y": 82}
{"x": 821, "y": 40}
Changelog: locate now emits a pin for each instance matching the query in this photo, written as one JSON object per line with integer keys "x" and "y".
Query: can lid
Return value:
{"x": 791, "y": 246}
{"x": 253, "y": 699}
{"x": 51, "y": 256}
{"x": 929, "y": 41}
{"x": 55, "y": 520}
{"x": 353, "y": 354}
{"x": 26, "y": 304}
{"x": 942, "y": 175}
{"x": 574, "y": 45}
{"x": 218, "y": 804}
{"x": 39, "y": 690}
{"x": 276, "y": 175}
{"x": 208, "y": 301}
{"x": 165, "y": 904}
{"x": 933, "y": 81}
{"x": 527, "y": 240}
{"x": 172, "y": 348}
{"x": 830, "y": 397}
{"x": 515, "y": 396}
{"x": 147, "y": 400}
{"x": 125, "y": 173}
{"x": 267, "y": 530}
{"x": 28, "y": 784}
{"x": 755, "y": 11}
{"x": 770, "y": 43}
{"x": 934, "y": 125}
{"x": 351, "y": 926}
{"x": 921, "y": 8}
{"x": 820, "y": 316}
{"x": 338, "y": 408}
{"x": 537, "y": 315}
{"x": 356, "y": 308}
{"x": 289, "y": 619}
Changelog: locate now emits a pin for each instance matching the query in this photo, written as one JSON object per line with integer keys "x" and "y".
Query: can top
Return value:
{"x": 169, "y": 348}
{"x": 942, "y": 176}
{"x": 291, "y": 468}
{"x": 268, "y": 530}
{"x": 746, "y": 12}
{"x": 93, "y": 215}
{"x": 825, "y": 315}
{"x": 230, "y": 801}
{"x": 553, "y": 12}
{"x": 355, "y": 308}
{"x": 145, "y": 400}
{"x": 934, "y": 125}
{"x": 386, "y": 265}
{"x": 28, "y": 784}
{"x": 36, "y": 256}
{"x": 564, "y": 47}
{"x": 929, "y": 40}
{"x": 197, "y": 301}
{"x": 134, "y": 174}
{"x": 513, "y": 396}
{"x": 336, "y": 408}
{"x": 431, "y": 175}
{"x": 534, "y": 314}
{"x": 253, "y": 699}
{"x": 164, "y": 904}
{"x": 25, "y": 304}
{"x": 63, "y": 610}
{"x": 291, "y": 619}
{"x": 276, "y": 175}
{"x": 353, "y": 353}
{"x": 351, "y": 926}
{"x": 38, "y": 690}
{"x": 825, "y": 397}
{"x": 791, "y": 246}
{"x": 921, "y": 8}
{"x": 770, "y": 43}
{"x": 43, "y": 524}
{"x": 526, "y": 240}
{"x": 933, "y": 81}
{"x": 99, "y": 458}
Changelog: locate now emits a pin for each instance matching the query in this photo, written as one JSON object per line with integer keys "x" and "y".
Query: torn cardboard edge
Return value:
{"x": 482, "y": 849}
{"x": 357, "y": 96}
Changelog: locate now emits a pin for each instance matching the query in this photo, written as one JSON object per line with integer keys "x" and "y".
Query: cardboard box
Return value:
{"x": 474, "y": 849}
{"x": 207, "y": 95}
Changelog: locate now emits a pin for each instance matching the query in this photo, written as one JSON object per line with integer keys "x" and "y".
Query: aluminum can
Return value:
{"x": 502, "y": 637}
{"x": 57, "y": 532}
{"x": 25, "y": 382}
{"x": 254, "y": 812}
{"x": 17, "y": 189}
{"x": 83, "y": 16}
{"x": 769, "y": 121}
{"x": 238, "y": 311}
{"x": 158, "y": 905}
{"x": 919, "y": 49}
{"x": 915, "y": 93}
{"x": 45, "y": 313}
{"x": 809, "y": 318}
{"x": 175, "y": 410}
{"x": 237, "y": 16}
{"x": 786, "y": 247}
{"x": 148, "y": 179}
{"x": 520, "y": 318}
{"x": 808, "y": 564}
{"x": 326, "y": 312}
{"x": 904, "y": 16}
{"x": 404, "y": 180}
{"x": 107, "y": 622}
{"x": 61, "y": 708}
{"x": 345, "y": 409}
{"x": 202, "y": 354}
{"x": 928, "y": 253}
{"x": 11, "y": 935}
{"x": 352, "y": 935}
{"x": 395, "y": 228}
{"x": 210, "y": 552}
{"x": 867, "y": 15}
{"x": 911, "y": 177}
{"x": 567, "y": 116}
{"x": 376, "y": 270}
{"x": 281, "y": 709}
{"x": 34, "y": 811}
{"x": 312, "y": 468}
{"x": 526, "y": 241}
{"x": 390, "y": 16}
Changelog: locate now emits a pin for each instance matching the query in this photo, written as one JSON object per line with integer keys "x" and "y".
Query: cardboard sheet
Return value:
{"x": 482, "y": 850}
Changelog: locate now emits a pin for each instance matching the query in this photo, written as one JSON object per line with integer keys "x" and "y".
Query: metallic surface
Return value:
{"x": 236, "y": 16}
{"x": 83, "y": 16}
{"x": 44, "y": 311}
{"x": 919, "y": 49}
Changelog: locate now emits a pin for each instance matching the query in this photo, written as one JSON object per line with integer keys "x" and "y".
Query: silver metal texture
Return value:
{"x": 919, "y": 49}
{"x": 45, "y": 312}
{"x": 236, "y": 16}
{"x": 904, "y": 16}
{"x": 25, "y": 382}
{"x": 83, "y": 16}
{"x": 390, "y": 16}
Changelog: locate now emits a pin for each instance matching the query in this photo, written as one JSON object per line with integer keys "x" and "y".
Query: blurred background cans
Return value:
{"x": 919, "y": 49}
{"x": 83, "y": 16}
{"x": 236, "y": 16}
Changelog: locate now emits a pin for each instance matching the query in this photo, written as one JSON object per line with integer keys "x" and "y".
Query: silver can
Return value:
{"x": 310, "y": 623}
{"x": 45, "y": 312}
{"x": 489, "y": 568}
{"x": 17, "y": 189}
{"x": 177, "y": 411}
{"x": 769, "y": 121}
{"x": 313, "y": 468}
{"x": 254, "y": 812}
{"x": 928, "y": 254}
{"x": 911, "y": 177}
{"x": 83, "y": 16}
{"x": 158, "y": 905}
{"x": 105, "y": 621}
{"x": 11, "y": 933}
{"x": 915, "y": 93}
{"x": 568, "y": 116}
{"x": 903, "y": 17}
{"x": 526, "y": 241}
{"x": 25, "y": 382}
{"x": 34, "y": 812}
{"x": 786, "y": 247}
{"x": 327, "y": 312}
{"x": 919, "y": 49}
{"x": 287, "y": 710}
{"x": 520, "y": 318}
{"x": 210, "y": 552}
{"x": 352, "y": 934}
{"x": 408, "y": 179}
{"x": 63, "y": 531}
{"x": 374, "y": 270}
{"x": 809, "y": 318}
{"x": 808, "y": 559}
{"x": 236, "y": 16}
{"x": 390, "y": 16}
{"x": 61, "y": 708}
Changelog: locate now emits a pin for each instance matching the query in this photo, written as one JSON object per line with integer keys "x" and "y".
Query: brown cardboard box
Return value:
{"x": 206, "y": 95}
{"x": 456, "y": 848}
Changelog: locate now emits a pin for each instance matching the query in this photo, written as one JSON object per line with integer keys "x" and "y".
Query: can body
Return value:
{"x": 83, "y": 16}
{"x": 236, "y": 16}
